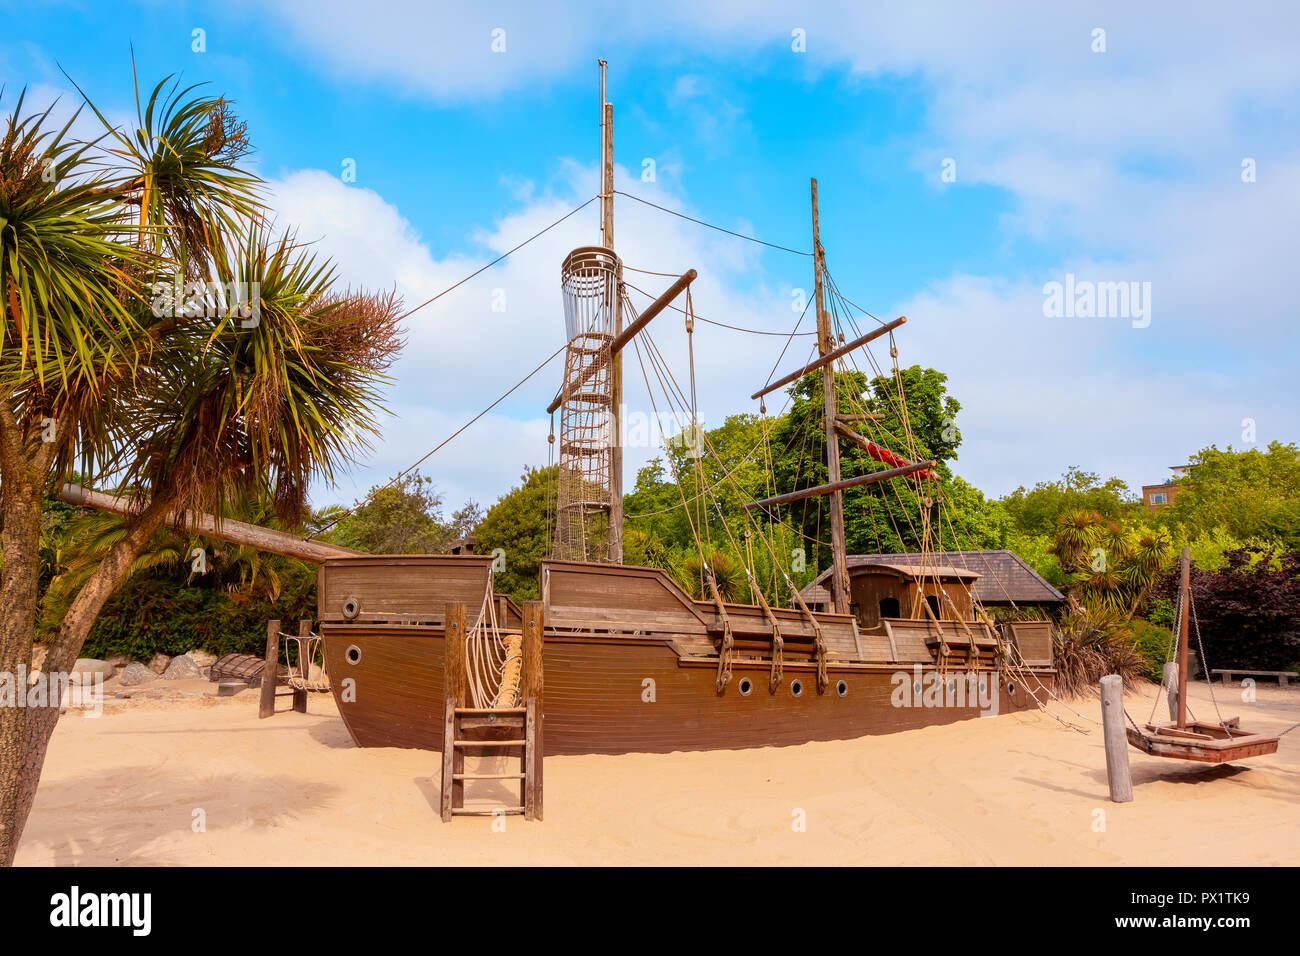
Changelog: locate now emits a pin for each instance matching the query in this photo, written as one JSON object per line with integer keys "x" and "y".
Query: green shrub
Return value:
{"x": 160, "y": 615}
{"x": 1152, "y": 642}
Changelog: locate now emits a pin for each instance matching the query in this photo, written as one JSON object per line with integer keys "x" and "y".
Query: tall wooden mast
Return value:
{"x": 839, "y": 580}
{"x": 616, "y": 367}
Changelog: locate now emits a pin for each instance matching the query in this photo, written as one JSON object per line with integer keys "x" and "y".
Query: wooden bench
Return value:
{"x": 1282, "y": 676}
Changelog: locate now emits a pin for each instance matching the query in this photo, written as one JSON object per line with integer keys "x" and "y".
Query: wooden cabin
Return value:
{"x": 896, "y": 591}
{"x": 1003, "y": 581}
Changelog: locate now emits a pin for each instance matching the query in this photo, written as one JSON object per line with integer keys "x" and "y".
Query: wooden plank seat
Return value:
{"x": 1283, "y": 677}
{"x": 1202, "y": 741}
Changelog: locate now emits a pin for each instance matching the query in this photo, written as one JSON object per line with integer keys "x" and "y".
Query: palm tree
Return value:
{"x": 728, "y": 574}
{"x": 185, "y": 401}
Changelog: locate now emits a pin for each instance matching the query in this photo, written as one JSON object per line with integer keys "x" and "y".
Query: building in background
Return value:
{"x": 1155, "y": 497}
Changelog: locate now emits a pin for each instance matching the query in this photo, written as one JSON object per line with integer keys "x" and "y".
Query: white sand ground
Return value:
{"x": 122, "y": 789}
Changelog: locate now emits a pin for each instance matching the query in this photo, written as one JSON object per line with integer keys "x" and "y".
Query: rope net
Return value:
{"x": 493, "y": 657}
{"x": 589, "y": 280}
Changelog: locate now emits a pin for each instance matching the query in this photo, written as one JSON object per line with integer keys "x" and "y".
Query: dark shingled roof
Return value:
{"x": 1003, "y": 576}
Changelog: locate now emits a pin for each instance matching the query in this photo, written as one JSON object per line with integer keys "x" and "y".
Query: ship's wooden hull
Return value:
{"x": 630, "y": 662}
{"x": 620, "y": 695}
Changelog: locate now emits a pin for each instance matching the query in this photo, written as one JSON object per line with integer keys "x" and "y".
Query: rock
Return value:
{"x": 159, "y": 663}
{"x": 136, "y": 673}
{"x": 38, "y": 657}
{"x": 182, "y": 668}
{"x": 118, "y": 661}
{"x": 203, "y": 659}
{"x": 88, "y": 665}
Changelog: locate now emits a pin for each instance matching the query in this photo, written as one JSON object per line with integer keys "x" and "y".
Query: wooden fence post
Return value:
{"x": 1112, "y": 723}
{"x": 304, "y": 666}
{"x": 455, "y": 681}
{"x": 534, "y": 621}
{"x": 266, "y": 705}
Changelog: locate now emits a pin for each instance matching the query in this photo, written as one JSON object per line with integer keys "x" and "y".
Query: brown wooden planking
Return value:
{"x": 402, "y": 586}
{"x": 1034, "y": 640}
{"x": 594, "y": 697}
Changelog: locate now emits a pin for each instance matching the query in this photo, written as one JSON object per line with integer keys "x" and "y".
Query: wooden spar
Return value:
{"x": 841, "y": 485}
{"x": 874, "y": 450}
{"x": 236, "y": 532}
{"x": 826, "y": 358}
{"x": 839, "y": 580}
{"x": 869, "y": 417}
{"x": 620, "y": 340}
{"x": 1184, "y": 600}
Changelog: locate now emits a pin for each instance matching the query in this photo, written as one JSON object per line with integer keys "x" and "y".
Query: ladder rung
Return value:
{"x": 487, "y": 776}
{"x": 492, "y": 710}
{"x": 462, "y": 812}
{"x": 489, "y": 743}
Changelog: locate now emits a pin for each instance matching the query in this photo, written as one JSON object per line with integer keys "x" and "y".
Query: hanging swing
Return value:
{"x": 308, "y": 673}
{"x": 1194, "y": 739}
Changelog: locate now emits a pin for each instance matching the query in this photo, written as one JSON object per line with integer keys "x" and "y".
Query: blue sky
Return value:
{"x": 1122, "y": 164}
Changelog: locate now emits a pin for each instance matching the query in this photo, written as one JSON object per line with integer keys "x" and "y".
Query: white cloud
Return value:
{"x": 461, "y": 354}
{"x": 1132, "y": 156}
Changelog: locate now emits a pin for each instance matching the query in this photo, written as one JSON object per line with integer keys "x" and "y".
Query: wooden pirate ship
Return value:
{"x": 632, "y": 661}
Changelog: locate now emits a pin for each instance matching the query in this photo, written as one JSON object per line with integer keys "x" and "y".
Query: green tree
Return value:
{"x": 519, "y": 525}
{"x": 1250, "y": 495}
{"x": 404, "y": 517}
{"x": 156, "y": 330}
{"x": 886, "y": 516}
{"x": 1039, "y": 510}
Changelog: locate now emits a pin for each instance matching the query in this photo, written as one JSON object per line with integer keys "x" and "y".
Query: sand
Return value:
{"x": 126, "y": 788}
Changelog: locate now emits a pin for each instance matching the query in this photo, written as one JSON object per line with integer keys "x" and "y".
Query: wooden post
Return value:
{"x": 454, "y": 678}
{"x": 266, "y": 705}
{"x": 839, "y": 579}
{"x": 1118, "y": 774}
{"x": 531, "y": 762}
{"x": 535, "y": 750}
{"x": 1184, "y": 599}
{"x": 448, "y": 762}
{"x": 300, "y": 696}
{"x": 1171, "y": 688}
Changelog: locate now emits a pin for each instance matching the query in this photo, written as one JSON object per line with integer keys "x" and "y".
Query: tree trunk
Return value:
{"x": 25, "y": 732}
{"x": 18, "y": 592}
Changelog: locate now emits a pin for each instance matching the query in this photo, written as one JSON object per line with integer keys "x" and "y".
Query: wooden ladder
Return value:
{"x": 492, "y": 731}
{"x": 474, "y": 731}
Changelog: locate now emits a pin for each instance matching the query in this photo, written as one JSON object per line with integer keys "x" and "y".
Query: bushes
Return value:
{"x": 161, "y": 615}
{"x": 1088, "y": 646}
{"x": 1248, "y": 609}
{"x": 1152, "y": 641}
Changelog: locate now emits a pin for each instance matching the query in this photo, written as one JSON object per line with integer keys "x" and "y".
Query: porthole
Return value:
{"x": 842, "y": 688}
{"x": 746, "y": 687}
{"x": 353, "y": 654}
{"x": 796, "y": 687}
{"x": 1011, "y": 689}
{"x": 351, "y": 608}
